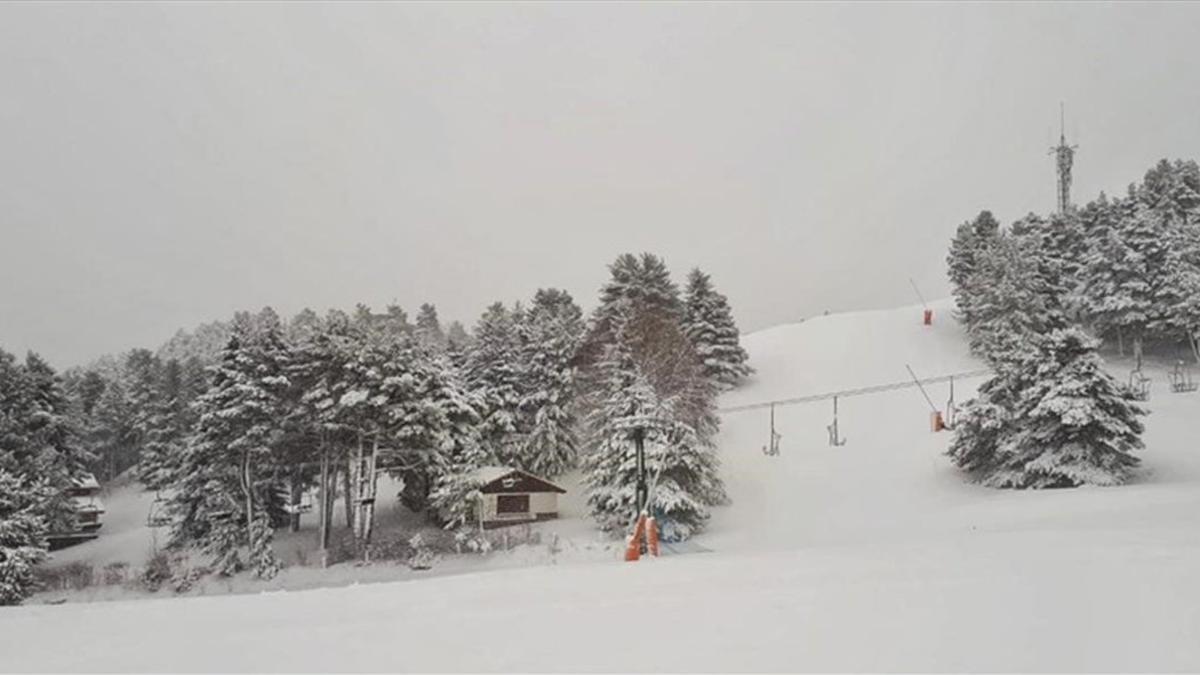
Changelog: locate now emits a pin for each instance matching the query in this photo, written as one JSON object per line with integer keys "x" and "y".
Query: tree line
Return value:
{"x": 1040, "y": 298}
{"x": 235, "y": 421}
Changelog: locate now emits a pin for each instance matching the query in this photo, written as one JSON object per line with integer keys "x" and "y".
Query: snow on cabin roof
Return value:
{"x": 487, "y": 474}
{"x": 490, "y": 474}
{"x": 86, "y": 481}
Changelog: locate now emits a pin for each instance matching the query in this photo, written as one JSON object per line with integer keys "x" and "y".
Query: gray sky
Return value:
{"x": 164, "y": 165}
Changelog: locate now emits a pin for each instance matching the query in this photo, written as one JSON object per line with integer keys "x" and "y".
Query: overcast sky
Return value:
{"x": 165, "y": 165}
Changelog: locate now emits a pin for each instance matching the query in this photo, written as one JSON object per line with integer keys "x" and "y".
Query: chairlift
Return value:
{"x": 1181, "y": 379}
{"x": 835, "y": 439}
{"x": 772, "y": 448}
{"x": 1139, "y": 385}
{"x": 157, "y": 516}
{"x": 220, "y": 515}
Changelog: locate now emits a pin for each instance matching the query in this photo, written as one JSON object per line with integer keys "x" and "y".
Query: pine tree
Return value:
{"x": 22, "y": 535}
{"x": 554, "y": 328}
{"x": 1180, "y": 292}
{"x": 708, "y": 323}
{"x": 1075, "y": 424}
{"x": 113, "y": 434}
{"x": 676, "y": 433}
{"x": 454, "y": 432}
{"x": 493, "y": 373}
{"x": 457, "y": 336}
{"x": 971, "y": 241}
{"x": 458, "y": 344}
{"x": 1013, "y": 302}
{"x": 642, "y": 283}
{"x": 165, "y": 426}
{"x": 56, "y": 456}
{"x": 227, "y": 488}
{"x": 428, "y": 329}
{"x": 1060, "y": 246}
{"x": 984, "y": 422}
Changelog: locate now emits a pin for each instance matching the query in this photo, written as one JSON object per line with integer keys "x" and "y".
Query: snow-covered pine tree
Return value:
{"x": 493, "y": 373}
{"x": 428, "y": 328}
{"x": 50, "y": 438}
{"x": 165, "y": 426}
{"x": 708, "y": 323}
{"x": 1060, "y": 245}
{"x": 641, "y": 281}
{"x": 1180, "y": 290}
{"x": 228, "y": 485}
{"x": 22, "y": 535}
{"x": 458, "y": 343}
{"x": 1136, "y": 302}
{"x": 984, "y": 422}
{"x": 1101, "y": 265}
{"x": 141, "y": 375}
{"x": 554, "y": 328}
{"x": 971, "y": 239}
{"x": 112, "y": 433}
{"x": 457, "y": 335}
{"x": 1172, "y": 189}
{"x": 1013, "y": 301}
{"x": 450, "y": 425}
{"x": 1075, "y": 424}
{"x": 318, "y": 374}
{"x": 677, "y": 441}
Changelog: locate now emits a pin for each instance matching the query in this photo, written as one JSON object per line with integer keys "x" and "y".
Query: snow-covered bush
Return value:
{"x": 421, "y": 557}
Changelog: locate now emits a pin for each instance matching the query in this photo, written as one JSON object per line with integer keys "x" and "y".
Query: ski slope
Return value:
{"x": 873, "y": 555}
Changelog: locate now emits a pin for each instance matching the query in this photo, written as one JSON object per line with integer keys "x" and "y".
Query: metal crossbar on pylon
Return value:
{"x": 875, "y": 389}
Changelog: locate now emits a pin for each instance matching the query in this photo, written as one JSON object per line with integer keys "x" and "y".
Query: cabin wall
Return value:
{"x": 541, "y": 505}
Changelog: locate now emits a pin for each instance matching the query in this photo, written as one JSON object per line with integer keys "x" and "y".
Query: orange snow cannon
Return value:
{"x": 633, "y": 550}
{"x": 652, "y": 537}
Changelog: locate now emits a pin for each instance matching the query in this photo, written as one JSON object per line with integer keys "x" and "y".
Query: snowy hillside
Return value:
{"x": 873, "y": 555}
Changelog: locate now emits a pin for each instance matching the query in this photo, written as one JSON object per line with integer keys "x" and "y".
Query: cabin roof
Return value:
{"x": 489, "y": 479}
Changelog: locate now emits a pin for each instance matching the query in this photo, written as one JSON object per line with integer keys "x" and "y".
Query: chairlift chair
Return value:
{"x": 157, "y": 516}
{"x": 772, "y": 447}
{"x": 835, "y": 438}
{"x": 1139, "y": 384}
{"x": 1181, "y": 379}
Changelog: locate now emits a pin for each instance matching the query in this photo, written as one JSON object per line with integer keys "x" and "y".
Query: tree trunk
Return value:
{"x": 347, "y": 498}
{"x": 326, "y": 512}
{"x": 297, "y": 488}
{"x": 1137, "y": 350}
{"x": 357, "y": 482}
{"x": 1194, "y": 341}
{"x": 368, "y": 515}
{"x": 1120, "y": 341}
{"x": 248, "y": 489}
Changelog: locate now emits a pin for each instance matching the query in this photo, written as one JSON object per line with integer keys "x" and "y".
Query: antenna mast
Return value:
{"x": 1065, "y": 159}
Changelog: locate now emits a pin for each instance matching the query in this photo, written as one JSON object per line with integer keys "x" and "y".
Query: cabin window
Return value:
{"x": 512, "y": 504}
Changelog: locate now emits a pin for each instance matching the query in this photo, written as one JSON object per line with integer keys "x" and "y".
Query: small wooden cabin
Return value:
{"x": 512, "y": 496}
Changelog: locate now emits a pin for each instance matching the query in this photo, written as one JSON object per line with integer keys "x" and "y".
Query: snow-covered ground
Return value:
{"x": 869, "y": 556}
